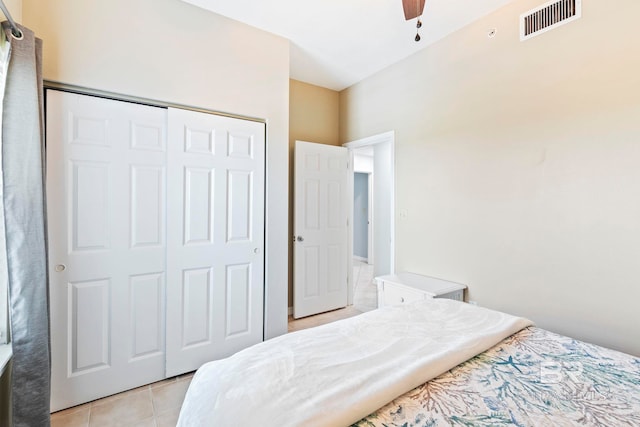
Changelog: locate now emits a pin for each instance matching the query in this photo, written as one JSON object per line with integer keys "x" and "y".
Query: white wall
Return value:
{"x": 518, "y": 166}
{"x": 170, "y": 51}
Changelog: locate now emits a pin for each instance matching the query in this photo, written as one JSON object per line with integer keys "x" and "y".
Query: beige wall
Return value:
{"x": 171, "y": 51}
{"x": 314, "y": 117}
{"x": 15, "y": 9}
{"x": 518, "y": 164}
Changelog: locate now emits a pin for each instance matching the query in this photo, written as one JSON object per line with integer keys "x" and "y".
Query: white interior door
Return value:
{"x": 215, "y": 258}
{"x": 320, "y": 228}
{"x": 106, "y": 210}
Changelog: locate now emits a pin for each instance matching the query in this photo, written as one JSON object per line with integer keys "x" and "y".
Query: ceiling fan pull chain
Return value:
{"x": 418, "y": 26}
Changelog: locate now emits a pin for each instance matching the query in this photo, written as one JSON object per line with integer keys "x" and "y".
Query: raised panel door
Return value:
{"x": 320, "y": 228}
{"x": 106, "y": 163}
{"x": 215, "y": 257}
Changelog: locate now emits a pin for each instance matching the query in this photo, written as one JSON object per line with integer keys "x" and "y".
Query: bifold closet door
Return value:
{"x": 215, "y": 253}
{"x": 106, "y": 177}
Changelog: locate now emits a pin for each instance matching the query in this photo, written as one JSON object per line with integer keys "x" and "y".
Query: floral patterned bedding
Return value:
{"x": 533, "y": 378}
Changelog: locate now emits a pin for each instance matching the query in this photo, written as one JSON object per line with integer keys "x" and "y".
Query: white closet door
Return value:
{"x": 215, "y": 259}
{"x": 106, "y": 166}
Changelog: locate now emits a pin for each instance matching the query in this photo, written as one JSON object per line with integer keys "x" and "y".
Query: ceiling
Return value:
{"x": 336, "y": 43}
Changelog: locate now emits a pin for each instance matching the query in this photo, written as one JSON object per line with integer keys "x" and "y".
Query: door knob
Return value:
{"x": 60, "y": 268}
{"x": 300, "y": 239}
{"x": 256, "y": 250}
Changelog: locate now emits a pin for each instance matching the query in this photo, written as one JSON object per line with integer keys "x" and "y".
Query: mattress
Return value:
{"x": 533, "y": 378}
{"x": 429, "y": 363}
{"x": 335, "y": 374}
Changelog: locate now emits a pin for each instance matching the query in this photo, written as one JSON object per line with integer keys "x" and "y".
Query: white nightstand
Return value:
{"x": 405, "y": 287}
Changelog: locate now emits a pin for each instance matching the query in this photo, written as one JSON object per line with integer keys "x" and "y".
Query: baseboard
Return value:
{"x": 290, "y": 311}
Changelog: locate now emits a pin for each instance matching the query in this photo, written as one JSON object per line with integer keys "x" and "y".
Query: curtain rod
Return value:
{"x": 17, "y": 33}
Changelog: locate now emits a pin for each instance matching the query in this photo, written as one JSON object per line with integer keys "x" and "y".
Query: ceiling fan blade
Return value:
{"x": 412, "y": 8}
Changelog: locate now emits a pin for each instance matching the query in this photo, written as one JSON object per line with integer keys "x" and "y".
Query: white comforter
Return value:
{"x": 336, "y": 374}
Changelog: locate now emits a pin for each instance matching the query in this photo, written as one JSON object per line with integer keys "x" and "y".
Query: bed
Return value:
{"x": 429, "y": 363}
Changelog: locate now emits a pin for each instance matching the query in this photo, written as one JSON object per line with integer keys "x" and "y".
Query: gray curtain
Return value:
{"x": 23, "y": 204}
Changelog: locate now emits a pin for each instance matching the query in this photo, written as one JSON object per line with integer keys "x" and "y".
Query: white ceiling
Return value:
{"x": 336, "y": 43}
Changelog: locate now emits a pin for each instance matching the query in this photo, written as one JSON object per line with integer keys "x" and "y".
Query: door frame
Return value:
{"x": 386, "y": 137}
{"x": 370, "y": 218}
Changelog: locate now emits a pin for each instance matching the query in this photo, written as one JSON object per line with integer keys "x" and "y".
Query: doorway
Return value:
{"x": 373, "y": 156}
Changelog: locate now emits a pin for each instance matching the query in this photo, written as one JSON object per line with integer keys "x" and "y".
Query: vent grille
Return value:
{"x": 549, "y": 16}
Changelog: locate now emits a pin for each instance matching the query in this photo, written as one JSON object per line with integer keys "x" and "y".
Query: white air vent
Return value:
{"x": 549, "y": 16}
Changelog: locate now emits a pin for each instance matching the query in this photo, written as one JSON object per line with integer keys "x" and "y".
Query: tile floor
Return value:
{"x": 158, "y": 404}
{"x": 154, "y": 405}
{"x": 365, "y": 293}
{"x": 321, "y": 319}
